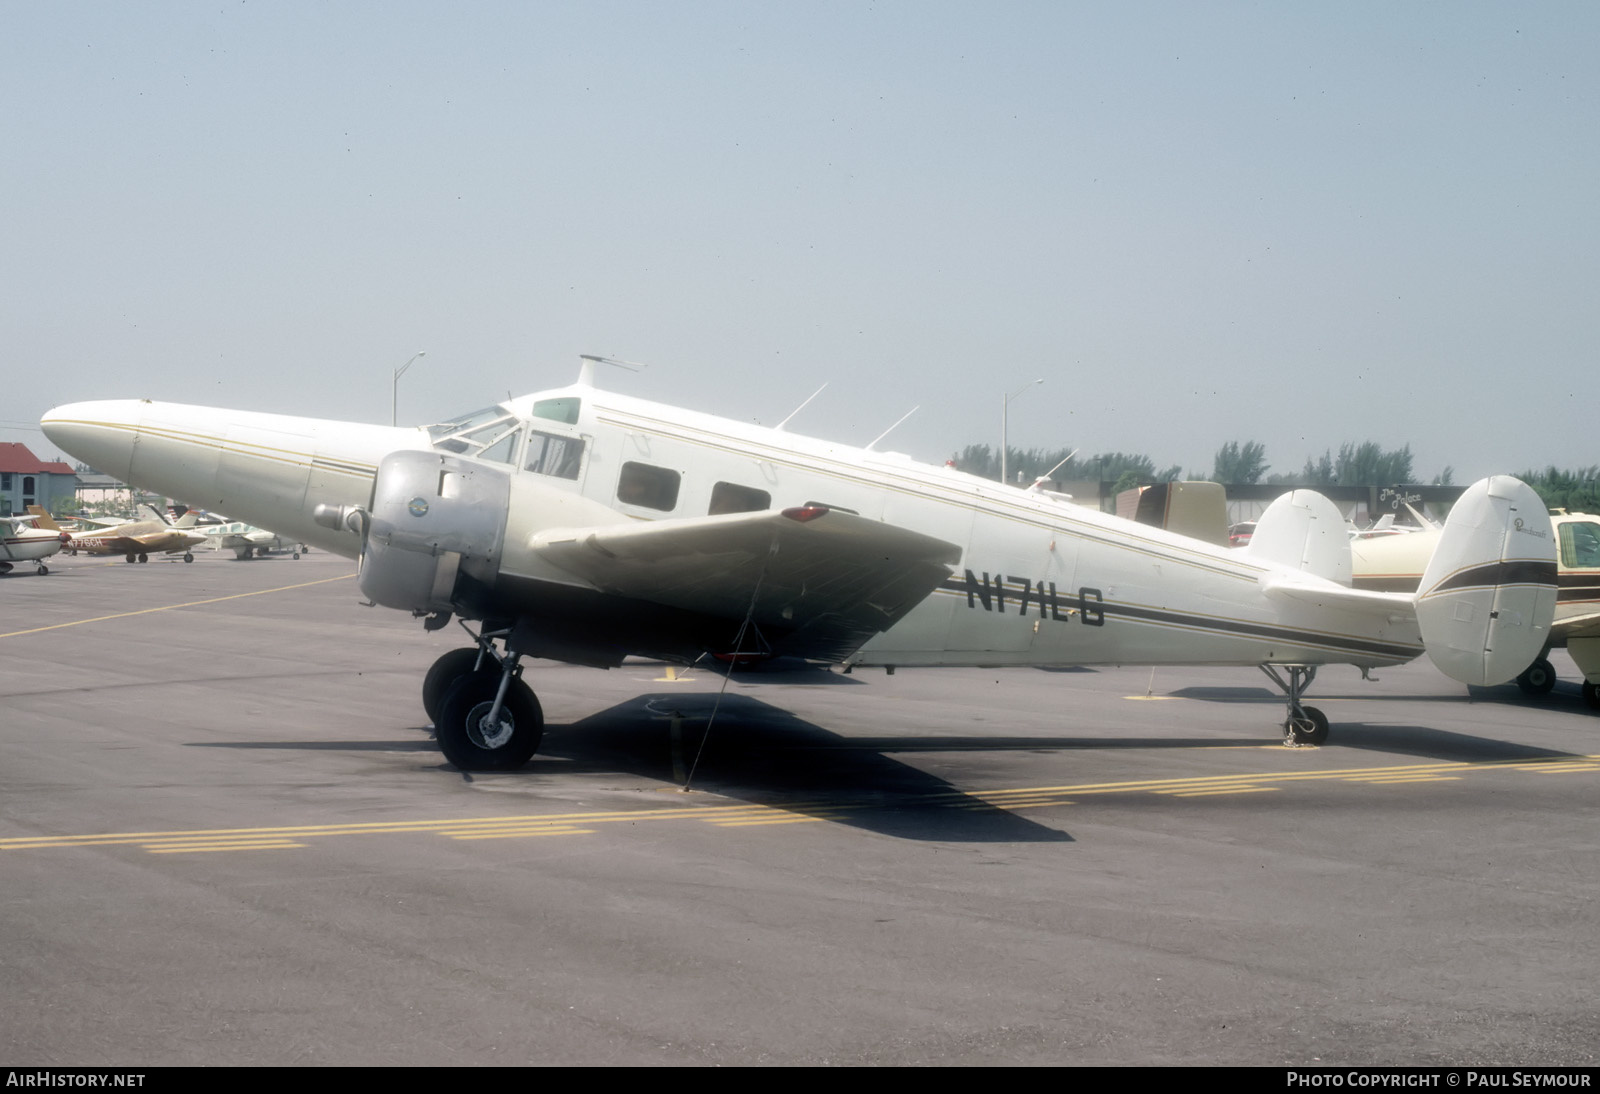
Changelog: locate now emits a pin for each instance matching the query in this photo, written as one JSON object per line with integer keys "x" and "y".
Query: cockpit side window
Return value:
{"x": 549, "y": 454}
{"x": 1580, "y": 545}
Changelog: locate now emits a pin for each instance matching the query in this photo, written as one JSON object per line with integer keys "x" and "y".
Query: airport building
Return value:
{"x": 27, "y": 480}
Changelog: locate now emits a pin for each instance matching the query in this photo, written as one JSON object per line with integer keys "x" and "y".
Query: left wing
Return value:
{"x": 821, "y": 580}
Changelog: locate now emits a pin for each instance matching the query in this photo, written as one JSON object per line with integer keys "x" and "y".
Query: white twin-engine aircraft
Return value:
{"x": 583, "y": 526}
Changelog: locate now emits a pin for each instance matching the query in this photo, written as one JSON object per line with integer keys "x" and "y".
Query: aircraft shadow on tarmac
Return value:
{"x": 765, "y": 755}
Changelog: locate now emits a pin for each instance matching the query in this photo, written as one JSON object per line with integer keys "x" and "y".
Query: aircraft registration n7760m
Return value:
{"x": 583, "y": 525}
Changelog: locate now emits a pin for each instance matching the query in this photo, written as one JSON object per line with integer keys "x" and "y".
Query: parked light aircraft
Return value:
{"x": 134, "y": 540}
{"x": 1396, "y": 563}
{"x": 582, "y": 525}
{"x": 246, "y": 539}
{"x": 22, "y": 541}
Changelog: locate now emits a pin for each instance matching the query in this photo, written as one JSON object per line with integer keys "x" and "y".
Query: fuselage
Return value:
{"x": 1040, "y": 581}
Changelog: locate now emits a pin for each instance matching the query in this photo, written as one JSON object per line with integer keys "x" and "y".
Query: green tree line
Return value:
{"x": 1363, "y": 464}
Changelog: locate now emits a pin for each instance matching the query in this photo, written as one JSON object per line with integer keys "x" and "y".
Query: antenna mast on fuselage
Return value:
{"x": 586, "y": 372}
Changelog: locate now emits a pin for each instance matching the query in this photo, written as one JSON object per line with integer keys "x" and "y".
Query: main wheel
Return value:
{"x": 1311, "y": 729}
{"x": 43, "y": 569}
{"x": 1538, "y": 678}
{"x": 471, "y": 742}
{"x": 144, "y": 558}
{"x": 1591, "y": 695}
{"x": 446, "y": 671}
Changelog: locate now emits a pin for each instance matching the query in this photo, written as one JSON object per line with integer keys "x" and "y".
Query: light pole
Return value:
{"x": 1005, "y": 405}
{"x": 394, "y": 390}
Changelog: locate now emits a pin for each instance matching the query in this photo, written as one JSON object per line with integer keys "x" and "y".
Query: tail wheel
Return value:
{"x": 472, "y": 742}
{"x": 1310, "y": 727}
{"x": 1538, "y": 678}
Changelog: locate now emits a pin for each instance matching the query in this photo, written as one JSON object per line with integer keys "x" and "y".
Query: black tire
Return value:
{"x": 1538, "y": 678}
{"x": 43, "y": 569}
{"x": 144, "y": 558}
{"x": 1591, "y": 695}
{"x": 471, "y": 745}
{"x": 297, "y": 556}
{"x": 188, "y": 556}
{"x": 443, "y": 673}
{"x": 1312, "y": 729}
{"x": 129, "y": 558}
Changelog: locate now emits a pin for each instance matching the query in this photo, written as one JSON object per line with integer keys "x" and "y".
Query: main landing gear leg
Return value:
{"x": 485, "y": 718}
{"x": 1304, "y": 725}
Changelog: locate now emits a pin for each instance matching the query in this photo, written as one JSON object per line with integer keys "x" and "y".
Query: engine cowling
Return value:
{"x": 435, "y": 518}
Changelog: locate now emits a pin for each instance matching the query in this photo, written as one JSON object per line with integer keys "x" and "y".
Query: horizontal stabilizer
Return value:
{"x": 1304, "y": 531}
{"x": 1488, "y": 596}
{"x": 1326, "y": 594}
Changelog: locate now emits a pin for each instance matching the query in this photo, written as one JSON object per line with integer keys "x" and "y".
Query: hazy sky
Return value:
{"x": 1297, "y": 223}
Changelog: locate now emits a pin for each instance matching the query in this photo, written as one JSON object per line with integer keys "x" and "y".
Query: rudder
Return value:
{"x": 1488, "y": 595}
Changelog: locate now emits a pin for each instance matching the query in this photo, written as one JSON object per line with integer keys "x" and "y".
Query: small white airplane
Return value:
{"x": 23, "y": 541}
{"x": 245, "y": 540}
{"x": 582, "y": 526}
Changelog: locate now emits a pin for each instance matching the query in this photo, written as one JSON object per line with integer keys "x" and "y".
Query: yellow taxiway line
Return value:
{"x": 172, "y": 607}
{"x": 757, "y": 815}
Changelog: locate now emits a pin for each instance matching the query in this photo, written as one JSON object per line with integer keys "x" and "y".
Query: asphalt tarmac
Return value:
{"x": 227, "y": 838}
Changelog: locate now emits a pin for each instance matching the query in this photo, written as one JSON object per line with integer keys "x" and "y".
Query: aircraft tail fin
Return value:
{"x": 1488, "y": 596}
{"x": 1304, "y": 531}
{"x": 43, "y": 519}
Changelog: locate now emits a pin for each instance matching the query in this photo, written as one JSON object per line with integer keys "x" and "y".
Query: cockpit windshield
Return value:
{"x": 489, "y": 433}
{"x": 493, "y": 434}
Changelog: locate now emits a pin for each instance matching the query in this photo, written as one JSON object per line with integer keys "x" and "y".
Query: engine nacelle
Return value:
{"x": 434, "y": 518}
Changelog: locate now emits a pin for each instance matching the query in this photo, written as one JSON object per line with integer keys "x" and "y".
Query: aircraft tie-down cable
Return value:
{"x": 738, "y": 648}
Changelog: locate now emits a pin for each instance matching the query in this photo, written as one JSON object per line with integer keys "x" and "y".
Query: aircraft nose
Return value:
{"x": 101, "y": 434}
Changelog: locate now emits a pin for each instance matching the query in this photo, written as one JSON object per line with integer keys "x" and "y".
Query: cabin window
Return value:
{"x": 727, "y": 497}
{"x": 647, "y": 486}
{"x": 549, "y": 454}
{"x": 1580, "y": 545}
{"x": 558, "y": 410}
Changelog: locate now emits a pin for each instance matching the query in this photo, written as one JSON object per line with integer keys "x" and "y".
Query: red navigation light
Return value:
{"x": 803, "y": 513}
